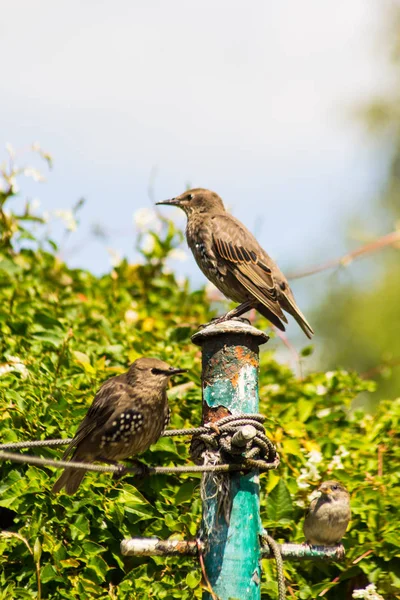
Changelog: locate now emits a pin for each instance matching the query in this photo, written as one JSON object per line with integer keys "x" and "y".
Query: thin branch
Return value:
{"x": 204, "y": 573}
{"x": 374, "y": 371}
{"x": 364, "y": 555}
{"x": 389, "y": 239}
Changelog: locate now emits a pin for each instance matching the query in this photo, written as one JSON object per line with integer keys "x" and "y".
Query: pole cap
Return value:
{"x": 233, "y": 326}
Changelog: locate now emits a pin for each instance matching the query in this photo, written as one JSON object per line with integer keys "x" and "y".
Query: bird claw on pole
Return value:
{"x": 223, "y": 319}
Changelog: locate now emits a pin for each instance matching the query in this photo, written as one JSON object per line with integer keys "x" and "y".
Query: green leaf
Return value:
{"x": 49, "y": 573}
{"x": 185, "y": 493}
{"x": 37, "y": 550}
{"x": 279, "y": 503}
{"x": 80, "y": 528}
{"x": 193, "y": 579}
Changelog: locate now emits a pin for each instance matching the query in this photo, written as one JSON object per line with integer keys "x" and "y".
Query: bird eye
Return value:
{"x": 157, "y": 371}
{"x": 334, "y": 487}
{"x": 190, "y": 196}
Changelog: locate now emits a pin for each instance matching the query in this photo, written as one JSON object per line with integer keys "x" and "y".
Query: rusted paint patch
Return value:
{"x": 235, "y": 380}
{"x": 212, "y": 414}
{"x": 244, "y": 355}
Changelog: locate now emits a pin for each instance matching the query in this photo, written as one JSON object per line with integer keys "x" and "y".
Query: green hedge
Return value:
{"x": 63, "y": 332}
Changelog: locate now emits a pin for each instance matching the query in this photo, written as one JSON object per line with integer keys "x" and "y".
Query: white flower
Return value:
{"x": 365, "y": 421}
{"x": 321, "y": 390}
{"x": 314, "y": 457}
{"x": 12, "y": 182}
{"x": 272, "y": 388}
{"x": 34, "y": 173}
{"x": 10, "y": 150}
{"x": 115, "y": 257}
{"x": 336, "y": 463}
{"x": 330, "y": 375}
{"x": 314, "y": 494}
{"x": 145, "y": 219}
{"x": 342, "y": 451}
{"x": 14, "y": 364}
{"x": 181, "y": 281}
{"x": 131, "y": 316}
{"x": 178, "y": 254}
{"x": 310, "y": 470}
{"x": 46, "y": 216}
{"x": 35, "y": 204}
{"x": 68, "y": 218}
{"x": 148, "y": 244}
{"x": 369, "y": 593}
{"x": 324, "y": 412}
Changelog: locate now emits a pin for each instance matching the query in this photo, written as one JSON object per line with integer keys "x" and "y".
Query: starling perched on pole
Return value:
{"x": 128, "y": 414}
{"x": 328, "y": 516}
{"x": 232, "y": 259}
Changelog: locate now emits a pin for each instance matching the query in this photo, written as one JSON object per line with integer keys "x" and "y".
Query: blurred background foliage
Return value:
{"x": 358, "y": 318}
{"x": 64, "y": 331}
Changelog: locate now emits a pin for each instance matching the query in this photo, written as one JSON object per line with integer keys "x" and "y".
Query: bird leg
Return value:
{"x": 121, "y": 468}
{"x": 142, "y": 469}
{"x": 235, "y": 312}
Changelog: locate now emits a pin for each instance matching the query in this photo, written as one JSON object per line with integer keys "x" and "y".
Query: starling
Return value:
{"x": 328, "y": 516}
{"x": 232, "y": 259}
{"x": 128, "y": 414}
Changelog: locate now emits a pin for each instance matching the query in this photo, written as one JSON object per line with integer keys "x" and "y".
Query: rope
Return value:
{"x": 35, "y": 444}
{"x": 257, "y": 453}
{"x": 168, "y": 433}
{"x": 238, "y": 437}
{"x": 35, "y": 460}
{"x": 276, "y": 551}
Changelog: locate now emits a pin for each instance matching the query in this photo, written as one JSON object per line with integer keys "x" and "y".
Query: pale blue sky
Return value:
{"x": 253, "y": 100}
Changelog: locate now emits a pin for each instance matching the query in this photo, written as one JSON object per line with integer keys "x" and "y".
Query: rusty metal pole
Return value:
{"x": 232, "y": 549}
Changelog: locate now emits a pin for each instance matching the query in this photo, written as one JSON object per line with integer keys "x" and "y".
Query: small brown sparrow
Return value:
{"x": 328, "y": 516}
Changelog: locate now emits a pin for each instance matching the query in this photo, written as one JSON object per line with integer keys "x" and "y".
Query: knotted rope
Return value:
{"x": 238, "y": 439}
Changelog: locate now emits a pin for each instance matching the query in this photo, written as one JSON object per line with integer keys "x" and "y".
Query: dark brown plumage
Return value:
{"x": 232, "y": 259}
{"x": 128, "y": 414}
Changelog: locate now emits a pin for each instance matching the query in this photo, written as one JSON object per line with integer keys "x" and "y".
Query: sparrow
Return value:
{"x": 328, "y": 516}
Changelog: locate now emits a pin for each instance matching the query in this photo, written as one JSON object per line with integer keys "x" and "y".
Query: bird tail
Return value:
{"x": 291, "y": 307}
{"x": 268, "y": 314}
{"x": 70, "y": 479}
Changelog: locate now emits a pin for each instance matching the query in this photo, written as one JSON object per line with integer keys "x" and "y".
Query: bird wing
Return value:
{"x": 311, "y": 508}
{"x": 110, "y": 394}
{"x": 246, "y": 260}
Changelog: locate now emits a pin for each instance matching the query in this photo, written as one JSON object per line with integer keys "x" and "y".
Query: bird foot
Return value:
{"x": 122, "y": 470}
{"x": 140, "y": 470}
{"x": 341, "y": 552}
{"x": 218, "y": 320}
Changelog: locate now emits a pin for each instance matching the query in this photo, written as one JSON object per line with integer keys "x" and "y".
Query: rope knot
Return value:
{"x": 237, "y": 439}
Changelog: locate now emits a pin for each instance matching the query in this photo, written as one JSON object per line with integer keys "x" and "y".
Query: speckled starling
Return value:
{"x": 128, "y": 414}
{"x": 328, "y": 516}
{"x": 232, "y": 259}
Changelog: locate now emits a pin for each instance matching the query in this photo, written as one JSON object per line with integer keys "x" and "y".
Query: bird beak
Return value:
{"x": 325, "y": 490}
{"x": 172, "y": 202}
{"x": 176, "y": 371}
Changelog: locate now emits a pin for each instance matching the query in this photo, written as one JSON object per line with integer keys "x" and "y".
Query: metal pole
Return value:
{"x": 293, "y": 552}
{"x": 231, "y": 537}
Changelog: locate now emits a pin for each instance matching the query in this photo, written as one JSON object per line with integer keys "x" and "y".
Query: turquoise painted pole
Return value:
{"x": 231, "y": 535}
